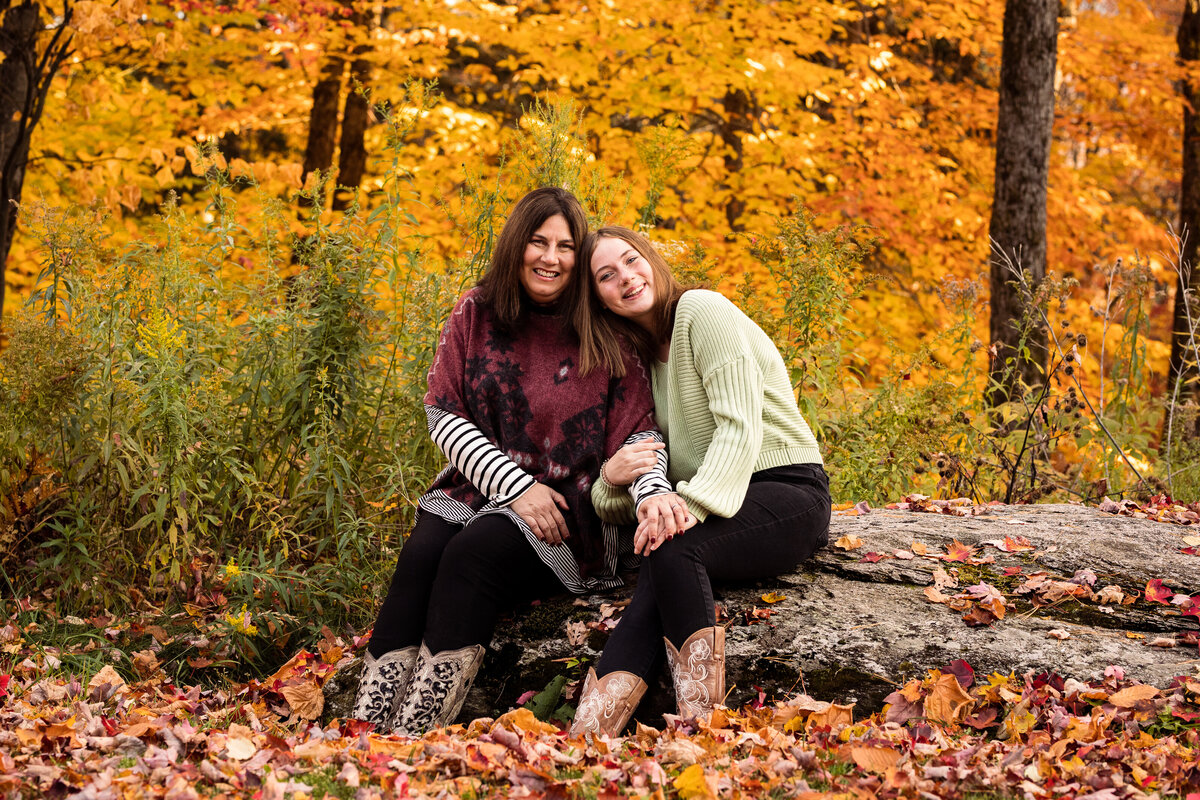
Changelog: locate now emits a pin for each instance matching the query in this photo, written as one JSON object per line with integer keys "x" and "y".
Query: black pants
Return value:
{"x": 452, "y": 582}
{"x": 783, "y": 521}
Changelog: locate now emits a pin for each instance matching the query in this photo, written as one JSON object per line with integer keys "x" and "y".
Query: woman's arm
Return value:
{"x": 497, "y": 476}
{"x": 492, "y": 472}
{"x": 731, "y": 384}
{"x": 638, "y": 470}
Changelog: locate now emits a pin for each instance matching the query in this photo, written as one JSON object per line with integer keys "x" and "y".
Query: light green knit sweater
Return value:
{"x": 725, "y": 404}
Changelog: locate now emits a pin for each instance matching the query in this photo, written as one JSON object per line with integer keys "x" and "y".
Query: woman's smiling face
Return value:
{"x": 549, "y": 259}
{"x": 623, "y": 280}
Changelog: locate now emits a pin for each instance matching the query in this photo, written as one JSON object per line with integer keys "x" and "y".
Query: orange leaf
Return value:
{"x": 947, "y": 702}
{"x": 1130, "y": 696}
{"x": 834, "y": 715}
{"x": 524, "y": 719}
{"x": 934, "y": 595}
{"x": 875, "y": 759}
{"x": 849, "y": 542}
{"x": 957, "y": 551}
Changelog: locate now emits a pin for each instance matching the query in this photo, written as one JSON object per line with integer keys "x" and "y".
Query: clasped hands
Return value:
{"x": 660, "y": 518}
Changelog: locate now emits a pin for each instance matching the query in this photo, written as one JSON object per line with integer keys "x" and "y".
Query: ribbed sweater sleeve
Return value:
{"x": 735, "y": 399}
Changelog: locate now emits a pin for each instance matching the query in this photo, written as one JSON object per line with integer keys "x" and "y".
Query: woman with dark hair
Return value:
{"x": 750, "y": 498}
{"x": 510, "y": 518}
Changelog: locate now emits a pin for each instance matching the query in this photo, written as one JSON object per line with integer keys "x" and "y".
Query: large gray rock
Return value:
{"x": 852, "y": 630}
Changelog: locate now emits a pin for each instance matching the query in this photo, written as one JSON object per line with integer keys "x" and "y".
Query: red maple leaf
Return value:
{"x": 1157, "y": 593}
{"x": 1191, "y": 607}
{"x": 4, "y": 679}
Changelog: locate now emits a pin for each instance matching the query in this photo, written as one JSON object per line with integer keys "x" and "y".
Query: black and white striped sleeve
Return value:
{"x": 655, "y": 481}
{"x": 464, "y": 445}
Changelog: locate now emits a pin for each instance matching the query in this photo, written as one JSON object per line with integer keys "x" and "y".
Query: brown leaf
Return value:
{"x": 305, "y": 699}
{"x": 947, "y": 702}
{"x": 107, "y": 675}
{"x": 145, "y": 662}
{"x": 978, "y": 617}
{"x": 834, "y": 715}
{"x": 848, "y": 542}
{"x": 943, "y": 579}
{"x": 577, "y": 633}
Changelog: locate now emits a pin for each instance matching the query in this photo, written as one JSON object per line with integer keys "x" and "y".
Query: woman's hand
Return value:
{"x": 660, "y": 518}
{"x": 539, "y": 507}
{"x": 631, "y": 462}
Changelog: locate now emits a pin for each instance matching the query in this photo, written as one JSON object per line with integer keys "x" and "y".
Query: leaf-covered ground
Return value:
{"x": 73, "y": 725}
{"x": 952, "y": 735}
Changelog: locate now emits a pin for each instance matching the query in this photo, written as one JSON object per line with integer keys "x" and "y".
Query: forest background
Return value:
{"x": 214, "y": 356}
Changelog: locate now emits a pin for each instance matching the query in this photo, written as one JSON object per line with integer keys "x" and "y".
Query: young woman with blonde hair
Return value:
{"x": 747, "y": 497}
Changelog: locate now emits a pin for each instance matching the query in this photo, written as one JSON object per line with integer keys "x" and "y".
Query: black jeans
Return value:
{"x": 783, "y": 521}
{"x": 452, "y": 582}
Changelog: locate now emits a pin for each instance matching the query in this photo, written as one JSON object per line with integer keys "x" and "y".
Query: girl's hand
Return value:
{"x": 631, "y": 462}
{"x": 660, "y": 518}
{"x": 539, "y": 507}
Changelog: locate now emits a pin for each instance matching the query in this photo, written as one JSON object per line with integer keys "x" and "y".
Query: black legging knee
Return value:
{"x": 452, "y": 582}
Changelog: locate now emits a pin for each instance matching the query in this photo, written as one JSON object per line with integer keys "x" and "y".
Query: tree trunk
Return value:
{"x": 737, "y": 124}
{"x": 1182, "y": 369}
{"x": 1018, "y": 224}
{"x": 323, "y": 121}
{"x": 25, "y": 76}
{"x": 352, "y": 158}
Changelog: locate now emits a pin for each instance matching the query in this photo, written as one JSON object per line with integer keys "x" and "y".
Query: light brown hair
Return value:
{"x": 500, "y": 287}
{"x": 600, "y": 330}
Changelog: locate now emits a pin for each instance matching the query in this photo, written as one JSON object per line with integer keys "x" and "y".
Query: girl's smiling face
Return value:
{"x": 623, "y": 280}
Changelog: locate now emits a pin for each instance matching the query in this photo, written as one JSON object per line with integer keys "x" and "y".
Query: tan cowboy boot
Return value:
{"x": 698, "y": 672}
{"x": 437, "y": 690}
{"x": 606, "y": 704}
{"x": 382, "y": 684}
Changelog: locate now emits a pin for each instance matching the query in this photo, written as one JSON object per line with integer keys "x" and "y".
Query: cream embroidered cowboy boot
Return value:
{"x": 698, "y": 672}
{"x": 437, "y": 690}
{"x": 382, "y": 684}
{"x": 606, "y": 704}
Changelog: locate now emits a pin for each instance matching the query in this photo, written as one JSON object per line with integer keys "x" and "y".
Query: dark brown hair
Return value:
{"x": 500, "y": 287}
{"x": 600, "y": 330}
